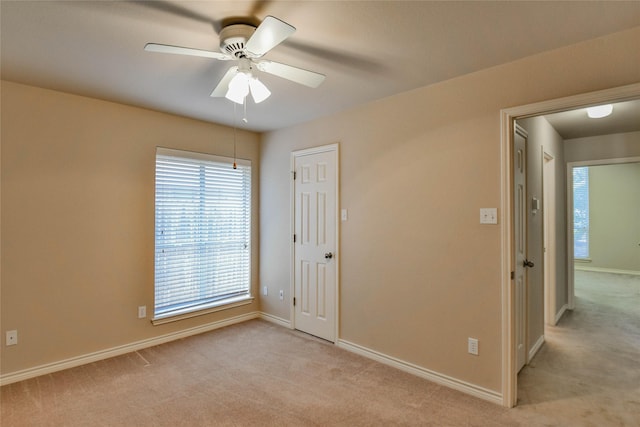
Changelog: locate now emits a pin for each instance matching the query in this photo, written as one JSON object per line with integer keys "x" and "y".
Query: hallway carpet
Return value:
{"x": 588, "y": 371}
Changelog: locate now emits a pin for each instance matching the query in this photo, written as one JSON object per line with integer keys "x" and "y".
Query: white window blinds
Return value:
{"x": 202, "y": 231}
{"x": 581, "y": 212}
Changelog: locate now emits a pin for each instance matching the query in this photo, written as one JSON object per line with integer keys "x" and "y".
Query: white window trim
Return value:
{"x": 203, "y": 309}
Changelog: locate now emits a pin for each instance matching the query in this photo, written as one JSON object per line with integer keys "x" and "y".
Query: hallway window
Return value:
{"x": 202, "y": 232}
{"x": 581, "y": 212}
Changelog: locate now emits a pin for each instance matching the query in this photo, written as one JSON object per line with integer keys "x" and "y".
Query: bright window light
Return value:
{"x": 202, "y": 231}
{"x": 581, "y": 212}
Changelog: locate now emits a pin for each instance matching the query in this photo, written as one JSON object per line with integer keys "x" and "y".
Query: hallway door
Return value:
{"x": 520, "y": 242}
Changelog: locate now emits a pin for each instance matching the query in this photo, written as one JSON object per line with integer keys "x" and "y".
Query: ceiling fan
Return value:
{"x": 247, "y": 44}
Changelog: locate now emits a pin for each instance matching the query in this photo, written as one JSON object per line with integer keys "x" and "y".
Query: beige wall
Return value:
{"x": 419, "y": 274}
{"x": 602, "y": 147}
{"x": 614, "y": 216}
{"x": 542, "y": 136}
{"x": 78, "y": 220}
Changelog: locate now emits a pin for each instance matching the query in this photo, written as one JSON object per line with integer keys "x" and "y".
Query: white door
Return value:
{"x": 315, "y": 237}
{"x": 520, "y": 242}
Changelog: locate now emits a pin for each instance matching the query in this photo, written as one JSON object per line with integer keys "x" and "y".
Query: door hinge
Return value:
{"x": 513, "y": 275}
{"x": 294, "y": 175}
{"x": 294, "y": 301}
{"x": 294, "y": 238}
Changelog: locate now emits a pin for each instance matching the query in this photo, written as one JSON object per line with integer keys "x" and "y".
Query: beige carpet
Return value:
{"x": 260, "y": 374}
{"x": 248, "y": 374}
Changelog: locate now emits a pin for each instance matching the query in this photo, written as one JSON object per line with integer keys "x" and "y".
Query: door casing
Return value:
{"x": 549, "y": 236}
{"x": 507, "y": 120}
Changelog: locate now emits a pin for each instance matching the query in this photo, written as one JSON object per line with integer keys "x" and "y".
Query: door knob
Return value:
{"x": 527, "y": 263}
{"x": 328, "y": 255}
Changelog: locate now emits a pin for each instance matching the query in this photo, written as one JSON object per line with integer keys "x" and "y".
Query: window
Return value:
{"x": 202, "y": 232}
{"x": 581, "y": 212}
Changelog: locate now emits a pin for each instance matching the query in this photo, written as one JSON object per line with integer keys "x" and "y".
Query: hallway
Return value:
{"x": 588, "y": 371}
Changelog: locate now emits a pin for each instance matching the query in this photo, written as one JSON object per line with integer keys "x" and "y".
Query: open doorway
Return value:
{"x": 603, "y": 196}
{"x": 509, "y": 306}
{"x": 588, "y": 365}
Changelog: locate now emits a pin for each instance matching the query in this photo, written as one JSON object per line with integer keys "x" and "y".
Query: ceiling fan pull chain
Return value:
{"x": 244, "y": 103}
{"x": 235, "y": 166}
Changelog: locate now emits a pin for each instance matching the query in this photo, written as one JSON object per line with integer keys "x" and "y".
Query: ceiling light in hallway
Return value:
{"x": 599, "y": 111}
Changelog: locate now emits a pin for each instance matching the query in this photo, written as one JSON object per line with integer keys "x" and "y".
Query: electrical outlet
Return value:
{"x": 473, "y": 346}
{"x": 265, "y": 291}
{"x": 142, "y": 312}
{"x": 12, "y": 338}
{"x": 281, "y": 294}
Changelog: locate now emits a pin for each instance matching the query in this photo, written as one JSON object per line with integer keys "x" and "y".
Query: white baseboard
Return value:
{"x": 561, "y": 312}
{"x": 438, "y": 378}
{"x": 536, "y": 347}
{"x": 465, "y": 387}
{"x": 275, "y": 319}
{"x": 606, "y": 270}
{"x": 49, "y": 368}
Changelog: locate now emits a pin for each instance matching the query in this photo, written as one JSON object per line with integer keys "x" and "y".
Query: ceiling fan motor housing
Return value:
{"x": 233, "y": 39}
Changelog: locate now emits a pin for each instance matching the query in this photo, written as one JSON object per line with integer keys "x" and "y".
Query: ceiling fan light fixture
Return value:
{"x": 242, "y": 41}
{"x": 238, "y": 88}
{"x": 259, "y": 91}
{"x": 599, "y": 111}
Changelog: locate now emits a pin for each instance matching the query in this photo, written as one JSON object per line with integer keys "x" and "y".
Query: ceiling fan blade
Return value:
{"x": 177, "y": 10}
{"x": 339, "y": 57}
{"x": 223, "y": 86}
{"x": 295, "y": 74}
{"x": 268, "y": 35}
{"x": 165, "y": 48}
{"x": 258, "y": 7}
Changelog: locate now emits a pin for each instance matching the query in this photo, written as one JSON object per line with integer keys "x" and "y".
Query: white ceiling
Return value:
{"x": 576, "y": 124}
{"x": 367, "y": 49}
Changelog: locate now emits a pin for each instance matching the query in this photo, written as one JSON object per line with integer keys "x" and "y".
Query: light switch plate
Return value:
{"x": 344, "y": 215}
{"x": 472, "y": 344}
{"x": 488, "y": 215}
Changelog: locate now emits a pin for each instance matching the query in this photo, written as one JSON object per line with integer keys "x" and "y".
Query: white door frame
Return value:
{"x": 336, "y": 258}
{"x": 570, "y": 263}
{"x": 549, "y": 236}
{"x": 507, "y": 118}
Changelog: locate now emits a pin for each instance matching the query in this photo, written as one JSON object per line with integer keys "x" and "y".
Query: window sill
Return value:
{"x": 202, "y": 310}
{"x": 582, "y": 260}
